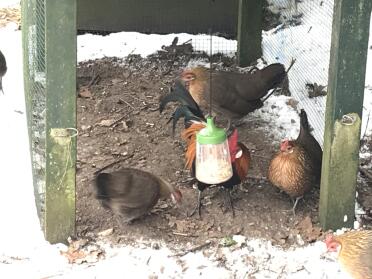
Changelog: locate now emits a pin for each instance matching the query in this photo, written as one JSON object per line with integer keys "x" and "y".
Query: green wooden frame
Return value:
{"x": 249, "y": 31}
{"x": 59, "y": 38}
{"x": 346, "y": 81}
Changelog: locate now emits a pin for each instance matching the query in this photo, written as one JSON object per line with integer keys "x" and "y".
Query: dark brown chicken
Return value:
{"x": 296, "y": 168}
{"x": 354, "y": 252}
{"x": 234, "y": 94}
{"x": 194, "y": 122}
{"x": 3, "y": 70}
{"x": 131, "y": 193}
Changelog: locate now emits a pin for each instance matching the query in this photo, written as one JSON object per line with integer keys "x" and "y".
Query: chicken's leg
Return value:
{"x": 295, "y": 204}
{"x": 228, "y": 201}
{"x": 198, "y": 206}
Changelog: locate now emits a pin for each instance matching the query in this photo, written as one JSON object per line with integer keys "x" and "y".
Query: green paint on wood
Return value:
{"x": 337, "y": 203}
{"x": 347, "y": 68}
{"x": 28, "y": 19}
{"x": 60, "y": 50}
{"x": 249, "y": 31}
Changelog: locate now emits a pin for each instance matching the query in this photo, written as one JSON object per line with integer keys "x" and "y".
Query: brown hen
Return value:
{"x": 296, "y": 168}
{"x": 131, "y": 193}
{"x": 234, "y": 94}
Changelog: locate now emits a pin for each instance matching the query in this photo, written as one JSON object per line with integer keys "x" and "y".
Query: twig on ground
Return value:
{"x": 114, "y": 163}
{"x": 95, "y": 79}
{"x": 183, "y": 234}
{"x": 194, "y": 249}
{"x": 128, "y": 104}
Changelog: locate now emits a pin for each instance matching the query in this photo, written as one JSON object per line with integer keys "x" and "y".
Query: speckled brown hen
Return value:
{"x": 354, "y": 252}
{"x": 131, "y": 193}
{"x": 296, "y": 168}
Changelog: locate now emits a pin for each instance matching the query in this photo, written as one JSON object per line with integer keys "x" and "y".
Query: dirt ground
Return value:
{"x": 119, "y": 123}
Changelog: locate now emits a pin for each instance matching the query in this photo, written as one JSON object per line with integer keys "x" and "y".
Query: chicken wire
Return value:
{"x": 35, "y": 84}
{"x": 298, "y": 30}
{"x": 304, "y": 35}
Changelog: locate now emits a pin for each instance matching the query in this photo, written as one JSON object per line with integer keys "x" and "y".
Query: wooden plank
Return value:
{"x": 337, "y": 203}
{"x": 161, "y": 16}
{"x": 60, "y": 50}
{"x": 249, "y": 31}
{"x": 345, "y": 95}
{"x": 28, "y": 20}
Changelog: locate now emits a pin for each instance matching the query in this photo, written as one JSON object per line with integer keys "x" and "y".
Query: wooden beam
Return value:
{"x": 345, "y": 96}
{"x": 60, "y": 58}
{"x": 249, "y": 31}
{"x": 33, "y": 89}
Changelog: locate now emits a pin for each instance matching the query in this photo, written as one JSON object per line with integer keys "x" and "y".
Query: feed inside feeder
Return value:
{"x": 212, "y": 164}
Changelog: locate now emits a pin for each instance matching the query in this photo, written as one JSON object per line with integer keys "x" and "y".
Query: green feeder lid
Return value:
{"x": 211, "y": 134}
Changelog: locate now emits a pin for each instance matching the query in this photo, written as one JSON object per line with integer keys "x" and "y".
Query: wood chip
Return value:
{"x": 106, "y": 122}
{"x": 85, "y": 92}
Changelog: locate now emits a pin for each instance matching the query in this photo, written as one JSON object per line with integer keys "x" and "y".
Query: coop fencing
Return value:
{"x": 304, "y": 35}
{"x": 295, "y": 30}
{"x": 33, "y": 17}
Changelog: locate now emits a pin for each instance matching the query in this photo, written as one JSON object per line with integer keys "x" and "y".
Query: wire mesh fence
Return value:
{"x": 304, "y": 35}
{"x": 35, "y": 85}
{"x": 299, "y": 30}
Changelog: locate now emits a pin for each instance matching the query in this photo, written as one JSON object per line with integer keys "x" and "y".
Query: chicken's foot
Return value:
{"x": 198, "y": 206}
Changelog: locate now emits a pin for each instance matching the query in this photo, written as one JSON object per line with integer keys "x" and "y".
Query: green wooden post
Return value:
{"x": 60, "y": 57}
{"x": 28, "y": 20}
{"x": 345, "y": 95}
{"x": 249, "y": 31}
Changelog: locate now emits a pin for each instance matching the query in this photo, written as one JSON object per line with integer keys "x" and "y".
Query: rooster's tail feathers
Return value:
{"x": 304, "y": 122}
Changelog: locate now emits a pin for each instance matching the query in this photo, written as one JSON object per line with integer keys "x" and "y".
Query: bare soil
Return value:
{"x": 119, "y": 123}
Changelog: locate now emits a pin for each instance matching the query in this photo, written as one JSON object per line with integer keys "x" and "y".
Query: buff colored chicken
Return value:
{"x": 296, "y": 168}
{"x": 354, "y": 252}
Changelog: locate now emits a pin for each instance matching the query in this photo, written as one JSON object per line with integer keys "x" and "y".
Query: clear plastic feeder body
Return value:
{"x": 212, "y": 162}
{"x": 213, "y": 165}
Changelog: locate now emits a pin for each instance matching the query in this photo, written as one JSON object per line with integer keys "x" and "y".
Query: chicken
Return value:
{"x": 3, "y": 70}
{"x": 296, "y": 168}
{"x": 354, "y": 252}
{"x": 194, "y": 122}
{"x": 131, "y": 193}
{"x": 234, "y": 94}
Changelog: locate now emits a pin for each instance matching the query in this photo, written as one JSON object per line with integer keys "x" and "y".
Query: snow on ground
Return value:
{"x": 132, "y": 43}
{"x": 25, "y": 254}
{"x": 17, "y": 207}
{"x": 248, "y": 257}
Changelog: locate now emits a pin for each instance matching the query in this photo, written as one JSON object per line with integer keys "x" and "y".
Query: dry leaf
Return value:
{"x": 116, "y": 80}
{"x": 106, "y": 232}
{"x": 84, "y": 92}
{"x": 80, "y": 252}
{"x": 107, "y": 122}
{"x": 309, "y": 232}
{"x": 73, "y": 256}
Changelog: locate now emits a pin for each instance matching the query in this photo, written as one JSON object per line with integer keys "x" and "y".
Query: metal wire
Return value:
{"x": 210, "y": 73}
{"x": 36, "y": 101}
